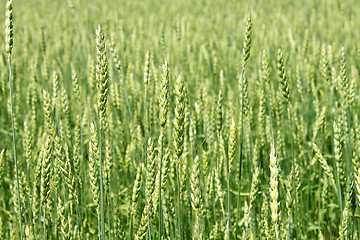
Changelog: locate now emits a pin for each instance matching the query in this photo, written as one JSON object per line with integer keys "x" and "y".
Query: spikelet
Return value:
{"x": 209, "y": 181}
{"x": 164, "y": 95}
{"x": 319, "y": 122}
{"x": 232, "y": 144}
{"x": 343, "y": 230}
{"x": 324, "y": 65}
{"x": 219, "y": 114}
{"x": 196, "y": 196}
{"x": 147, "y": 71}
{"x": 274, "y": 192}
{"x": 344, "y": 81}
{"x": 43, "y": 41}
{"x": 353, "y": 85}
{"x": 164, "y": 171}
{"x": 49, "y": 122}
{"x": 282, "y": 77}
{"x": 75, "y": 83}
{"x": 101, "y": 74}
{"x": 247, "y": 40}
{"x": 115, "y": 56}
{"x": 77, "y": 153}
{"x": 179, "y": 117}
{"x": 59, "y": 157}
{"x": 68, "y": 175}
{"x": 64, "y": 223}
{"x": 9, "y": 28}
{"x": 255, "y": 184}
{"x": 265, "y": 69}
{"x": 135, "y": 195}
{"x": 23, "y": 195}
{"x": 219, "y": 191}
{"x": 324, "y": 165}
{"x": 55, "y": 79}
{"x": 167, "y": 219}
{"x": 151, "y": 173}
{"x": 46, "y": 172}
{"x": 143, "y": 228}
{"x": 324, "y": 195}
{"x": 94, "y": 166}
{"x": 2, "y": 166}
{"x": 338, "y": 139}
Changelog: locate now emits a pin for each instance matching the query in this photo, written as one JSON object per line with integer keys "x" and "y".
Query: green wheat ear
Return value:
{"x": 147, "y": 70}
{"x": 68, "y": 175}
{"x": 274, "y": 192}
{"x": 76, "y": 87}
{"x": 179, "y": 117}
{"x": 164, "y": 95}
{"x": 101, "y": 73}
{"x": 151, "y": 174}
{"x": 142, "y": 231}
{"x": 8, "y": 48}
{"x": 64, "y": 222}
{"x": 135, "y": 195}
{"x": 324, "y": 165}
{"x": 255, "y": 185}
{"x": 163, "y": 112}
{"x": 247, "y": 40}
{"x": 324, "y": 65}
{"x": 46, "y": 171}
{"x": 282, "y": 76}
{"x": 103, "y": 88}
{"x": 2, "y": 166}
{"x": 9, "y": 28}
{"x": 49, "y": 122}
{"x": 219, "y": 114}
{"x": 196, "y": 196}
{"x": 94, "y": 167}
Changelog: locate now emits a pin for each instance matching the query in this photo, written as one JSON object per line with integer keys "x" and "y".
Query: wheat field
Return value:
{"x": 180, "y": 119}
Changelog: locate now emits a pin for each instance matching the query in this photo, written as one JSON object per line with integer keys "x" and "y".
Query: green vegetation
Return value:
{"x": 180, "y": 119}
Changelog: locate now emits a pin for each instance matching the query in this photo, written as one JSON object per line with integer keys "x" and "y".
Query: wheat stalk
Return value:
{"x": 179, "y": 137}
{"x": 103, "y": 86}
{"x": 163, "y": 104}
{"x": 8, "y": 48}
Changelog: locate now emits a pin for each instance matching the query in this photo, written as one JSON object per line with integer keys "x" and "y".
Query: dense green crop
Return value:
{"x": 180, "y": 119}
